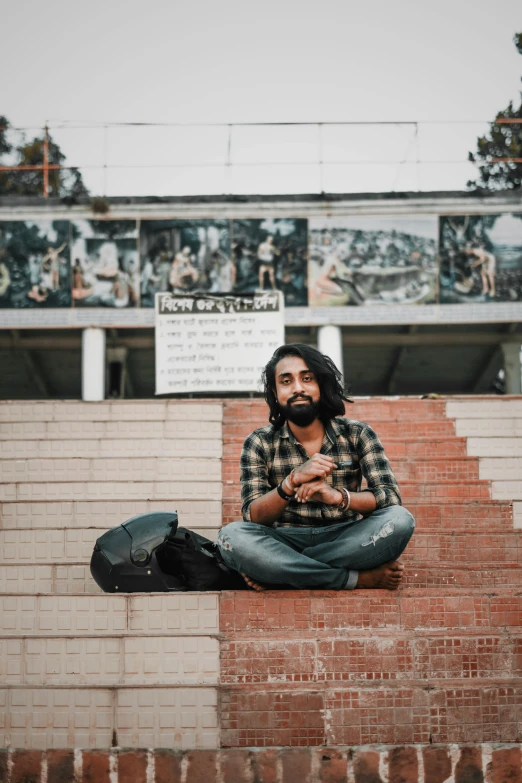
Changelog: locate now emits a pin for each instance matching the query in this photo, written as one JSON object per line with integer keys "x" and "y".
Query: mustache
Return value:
{"x": 304, "y": 397}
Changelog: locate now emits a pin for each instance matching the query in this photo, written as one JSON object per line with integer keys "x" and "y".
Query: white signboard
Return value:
{"x": 208, "y": 343}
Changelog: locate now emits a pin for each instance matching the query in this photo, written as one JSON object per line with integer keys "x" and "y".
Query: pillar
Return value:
{"x": 330, "y": 342}
{"x": 512, "y": 367}
{"x": 93, "y": 364}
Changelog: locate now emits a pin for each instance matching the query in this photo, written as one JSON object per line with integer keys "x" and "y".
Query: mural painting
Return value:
{"x": 185, "y": 256}
{"x": 480, "y": 258}
{"x": 104, "y": 258}
{"x": 35, "y": 264}
{"x": 372, "y": 260}
{"x": 271, "y": 254}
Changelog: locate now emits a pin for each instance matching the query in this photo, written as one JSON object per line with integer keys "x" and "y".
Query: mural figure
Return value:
{"x": 271, "y": 254}
{"x": 34, "y": 268}
{"x": 185, "y": 256}
{"x": 105, "y": 264}
{"x": 480, "y": 258}
{"x": 381, "y": 260}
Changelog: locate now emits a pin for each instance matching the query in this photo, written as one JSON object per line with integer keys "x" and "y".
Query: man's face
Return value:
{"x": 297, "y": 391}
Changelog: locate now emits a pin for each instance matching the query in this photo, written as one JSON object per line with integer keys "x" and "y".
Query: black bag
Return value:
{"x": 198, "y": 562}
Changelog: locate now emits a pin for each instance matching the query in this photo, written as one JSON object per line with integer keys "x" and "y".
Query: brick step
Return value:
{"x": 411, "y": 491}
{"x": 337, "y": 613}
{"x": 442, "y": 514}
{"x": 332, "y": 764}
{"x": 185, "y": 429}
{"x": 370, "y": 657}
{"x": 457, "y": 548}
{"x": 115, "y": 411}
{"x": 393, "y": 428}
{"x": 395, "y": 448}
{"x": 152, "y": 469}
{"x": 102, "y": 661}
{"x": 374, "y": 408}
{"x": 106, "y": 514}
{"x": 267, "y": 715}
{"x": 174, "y": 717}
{"x": 75, "y": 578}
{"x": 157, "y": 614}
{"x": 418, "y": 468}
{"x": 167, "y": 491}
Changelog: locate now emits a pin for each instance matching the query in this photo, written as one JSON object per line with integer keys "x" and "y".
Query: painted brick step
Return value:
{"x": 109, "y": 661}
{"x": 457, "y": 548}
{"x": 116, "y": 411}
{"x": 485, "y": 408}
{"x": 166, "y": 491}
{"x": 107, "y": 469}
{"x": 331, "y": 764}
{"x": 158, "y": 614}
{"x": 494, "y": 427}
{"x": 168, "y": 717}
{"x": 114, "y": 448}
{"x": 266, "y": 715}
{"x": 104, "y": 514}
{"x": 495, "y": 447}
{"x": 337, "y": 613}
{"x": 86, "y": 429}
{"x": 410, "y": 447}
{"x": 370, "y": 658}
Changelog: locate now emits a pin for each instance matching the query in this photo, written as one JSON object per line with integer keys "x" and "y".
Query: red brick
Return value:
{"x": 235, "y": 766}
{"x": 333, "y": 765}
{"x": 506, "y": 765}
{"x": 201, "y": 766}
{"x": 95, "y": 766}
{"x": 167, "y": 765}
{"x": 265, "y": 764}
{"x": 60, "y": 766}
{"x": 3, "y": 765}
{"x": 27, "y": 766}
{"x": 468, "y": 768}
{"x": 403, "y": 765}
{"x": 132, "y": 766}
{"x": 297, "y": 765}
{"x": 366, "y": 766}
{"x": 437, "y": 764}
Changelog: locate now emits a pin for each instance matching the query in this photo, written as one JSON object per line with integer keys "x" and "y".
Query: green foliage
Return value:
{"x": 63, "y": 183}
{"x": 503, "y": 141}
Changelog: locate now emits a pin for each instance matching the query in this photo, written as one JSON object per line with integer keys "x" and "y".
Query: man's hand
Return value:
{"x": 319, "y": 491}
{"x": 317, "y": 467}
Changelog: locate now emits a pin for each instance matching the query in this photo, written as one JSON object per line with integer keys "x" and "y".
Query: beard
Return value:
{"x": 301, "y": 415}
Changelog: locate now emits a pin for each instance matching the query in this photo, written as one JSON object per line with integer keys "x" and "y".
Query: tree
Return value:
{"x": 63, "y": 183}
{"x": 504, "y": 141}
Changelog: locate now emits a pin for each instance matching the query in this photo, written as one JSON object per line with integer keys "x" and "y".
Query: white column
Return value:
{"x": 93, "y": 364}
{"x": 330, "y": 342}
{"x": 512, "y": 368}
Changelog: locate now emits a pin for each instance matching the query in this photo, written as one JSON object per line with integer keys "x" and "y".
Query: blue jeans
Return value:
{"x": 327, "y": 558}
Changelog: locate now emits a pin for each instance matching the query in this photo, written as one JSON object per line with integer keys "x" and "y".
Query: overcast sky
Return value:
{"x": 235, "y": 61}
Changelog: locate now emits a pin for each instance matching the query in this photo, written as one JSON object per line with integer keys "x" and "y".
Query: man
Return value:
{"x": 307, "y": 524}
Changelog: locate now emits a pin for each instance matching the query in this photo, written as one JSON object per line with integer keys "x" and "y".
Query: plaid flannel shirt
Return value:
{"x": 269, "y": 455}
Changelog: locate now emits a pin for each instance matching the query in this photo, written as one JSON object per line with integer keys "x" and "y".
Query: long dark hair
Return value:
{"x": 327, "y": 375}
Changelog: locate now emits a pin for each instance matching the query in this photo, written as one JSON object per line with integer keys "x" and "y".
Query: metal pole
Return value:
{"x": 46, "y": 163}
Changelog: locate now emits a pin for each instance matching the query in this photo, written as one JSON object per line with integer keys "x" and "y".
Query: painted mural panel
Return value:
{"x": 372, "y": 260}
{"x": 271, "y": 254}
{"x": 105, "y": 267}
{"x": 185, "y": 256}
{"x": 35, "y": 264}
{"x": 480, "y": 258}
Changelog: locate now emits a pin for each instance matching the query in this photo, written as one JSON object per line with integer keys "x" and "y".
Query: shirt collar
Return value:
{"x": 332, "y": 430}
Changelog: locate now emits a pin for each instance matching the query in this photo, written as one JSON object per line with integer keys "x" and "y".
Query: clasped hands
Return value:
{"x": 309, "y": 481}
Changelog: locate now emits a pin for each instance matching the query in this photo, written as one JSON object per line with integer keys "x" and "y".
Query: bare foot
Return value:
{"x": 254, "y": 585}
{"x": 385, "y": 577}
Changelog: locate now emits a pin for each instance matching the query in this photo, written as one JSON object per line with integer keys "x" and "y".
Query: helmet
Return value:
{"x": 125, "y": 559}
